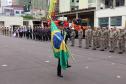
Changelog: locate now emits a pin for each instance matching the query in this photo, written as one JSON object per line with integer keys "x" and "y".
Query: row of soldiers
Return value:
{"x": 105, "y": 38}
{"x": 37, "y": 33}
{"x": 101, "y": 38}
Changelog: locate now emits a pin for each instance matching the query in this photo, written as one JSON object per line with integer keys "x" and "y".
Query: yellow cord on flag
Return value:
{"x": 73, "y": 58}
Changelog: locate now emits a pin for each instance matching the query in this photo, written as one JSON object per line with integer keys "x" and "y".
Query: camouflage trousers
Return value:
{"x": 106, "y": 43}
{"x": 80, "y": 42}
{"x": 87, "y": 42}
{"x": 98, "y": 42}
{"x": 72, "y": 41}
{"x": 120, "y": 46}
{"x": 102, "y": 44}
{"x": 112, "y": 44}
{"x": 94, "y": 43}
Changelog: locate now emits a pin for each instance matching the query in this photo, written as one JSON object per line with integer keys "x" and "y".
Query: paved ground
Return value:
{"x": 31, "y": 62}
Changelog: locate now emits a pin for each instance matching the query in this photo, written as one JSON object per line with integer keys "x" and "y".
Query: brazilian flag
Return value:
{"x": 60, "y": 49}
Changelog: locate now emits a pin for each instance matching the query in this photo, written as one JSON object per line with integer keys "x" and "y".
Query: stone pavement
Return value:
{"x": 31, "y": 62}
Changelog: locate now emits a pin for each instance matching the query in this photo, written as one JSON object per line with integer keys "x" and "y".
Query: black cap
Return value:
{"x": 61, "y": 23}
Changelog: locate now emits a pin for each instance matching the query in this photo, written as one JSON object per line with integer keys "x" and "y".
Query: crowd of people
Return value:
{"x": 102, "y": 38}
{"x": 36, "y": 33}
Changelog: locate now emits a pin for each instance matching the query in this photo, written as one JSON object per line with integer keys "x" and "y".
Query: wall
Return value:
{"x": 8, "y": 21}
{"x": 64, "y": 5}
{"x": 83, "y": 4}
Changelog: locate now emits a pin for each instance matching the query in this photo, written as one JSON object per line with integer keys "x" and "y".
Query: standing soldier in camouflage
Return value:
{"x": 102, "y": 40}
{"x": 112, "y": 39}
{"x": 107, "y": 38}
{"x": 98, "y": 34}
{"x": 87, "y": 36}
{"x": 116, "y": 38}
{"x": 73, "y": 34}
{"x": 80, "y": 37}
{"x": 124, "y": 40}
{"x": 90, "y": 36}
{"x": 86, "y": 39}
{"x": 120, "y": 41}
{"x": 94, "y": 39}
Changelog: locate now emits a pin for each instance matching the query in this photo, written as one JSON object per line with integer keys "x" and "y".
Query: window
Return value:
{"x": 72, "y": 9}
{"x": 108, "y": 3}
{"x": 116, "y": 21}
{"x": 77, "y": 1}
{"x": 91, "y": 1}
{"x": 104, "y": 22}
{"x": 22, "y": 12}
{"x": 119, "y": 3}
{"x": 17, "y": 12}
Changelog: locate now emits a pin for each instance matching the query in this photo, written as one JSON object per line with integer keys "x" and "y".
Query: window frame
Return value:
{"x": 118, "y": 18}
{"x": 103, "y": 25}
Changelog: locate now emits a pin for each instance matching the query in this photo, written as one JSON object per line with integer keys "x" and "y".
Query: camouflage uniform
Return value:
{"x": 98, "y": 34}
{"x": 87, "y": 39}
{"x": 120, "y": 41}
{"x": 112, "y": 40}
{"x": 90, "y": 37}
{"x": 73, "y": 34}
{"x": 80, "y": 37}
{"x": 102, "y": 40}
{"x": 94, "y": 39}
{"x": 124, "y": 40}
{"x": 107, "y": 38}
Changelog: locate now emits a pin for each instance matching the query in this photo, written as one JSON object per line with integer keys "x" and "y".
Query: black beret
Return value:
{"x": 61, "y": 23}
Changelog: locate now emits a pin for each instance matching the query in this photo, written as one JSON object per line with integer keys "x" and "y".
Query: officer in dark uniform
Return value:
{"x": 34, "y": 32}
{"x": 63, "y": 34}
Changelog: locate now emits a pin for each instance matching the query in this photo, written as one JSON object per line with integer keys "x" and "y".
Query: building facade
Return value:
{"x": 39, "y": 8}
{"x": 111, "y": 13}
{"x": 4, "y": 3}
{"x": 73, "y": 9}
{"x": 13, "y": 10}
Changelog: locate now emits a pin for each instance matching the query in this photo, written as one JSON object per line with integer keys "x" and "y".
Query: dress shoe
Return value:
{"x": 120, "y": 52}
{"x": 111, "y": 51}
{"x": 68, "y": 66}
{"x": 61, "y": 76}
{"x": 102, "y": 50}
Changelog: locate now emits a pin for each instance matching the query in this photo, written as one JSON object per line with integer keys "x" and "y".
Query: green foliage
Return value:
{"x": 28, "y": 17}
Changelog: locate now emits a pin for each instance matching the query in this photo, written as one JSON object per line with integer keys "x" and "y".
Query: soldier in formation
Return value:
{"x": 80, "y": 37}
{"x": 106, "y": 39}
{"x": 72, "y": 35}
{"x": 88, "y": 37}
{"x": 36, "y": 33}
{"x": 94, "y": 39}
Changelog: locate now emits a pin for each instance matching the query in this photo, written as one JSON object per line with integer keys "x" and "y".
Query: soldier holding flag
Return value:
{"x": 59, "y": 46}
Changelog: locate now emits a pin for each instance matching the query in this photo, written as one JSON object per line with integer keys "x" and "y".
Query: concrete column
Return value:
{"x": 63, "y": 17}
{"x": 114, "y": 3}
{"x": 109, "y": 22}
{"x": 77, "y": 16}
{"x": 125, "y": 2}
{"x": 95, "y": 19}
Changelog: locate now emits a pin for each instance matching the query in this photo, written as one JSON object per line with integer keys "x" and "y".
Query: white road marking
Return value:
{"x": 47, "y": 61}
{"x": 4, "y": 65}
{"x": 118, "y": 76}
{"x": 86, "y": 67}
{"x": 113, "y": 63}
{"x": 110, "y": 56}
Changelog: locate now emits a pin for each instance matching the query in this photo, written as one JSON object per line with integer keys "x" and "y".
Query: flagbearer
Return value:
{"x": 60, "y": 49}
{"x": 64, "y": 35}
